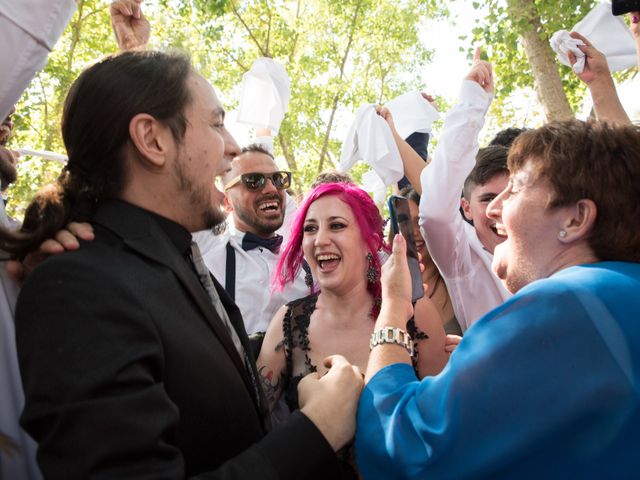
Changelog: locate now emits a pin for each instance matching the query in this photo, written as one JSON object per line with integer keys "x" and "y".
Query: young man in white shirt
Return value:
{"x": 462, "y": 252}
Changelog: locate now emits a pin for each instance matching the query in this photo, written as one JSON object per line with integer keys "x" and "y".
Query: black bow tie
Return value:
{"x": 251, "y": 241}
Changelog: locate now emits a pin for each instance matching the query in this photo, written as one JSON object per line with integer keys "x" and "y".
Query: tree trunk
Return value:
{"x": 542, "y": 59}
{"x": 288, "y": 154}
{"x": 336, "y": 98}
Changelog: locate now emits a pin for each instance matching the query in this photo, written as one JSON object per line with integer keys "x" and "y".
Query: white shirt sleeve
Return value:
{"x": 29, "y": 30}
{"x": 442, "y": 181}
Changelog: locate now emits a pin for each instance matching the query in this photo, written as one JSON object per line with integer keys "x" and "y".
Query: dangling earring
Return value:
{"x": 308, "y": 279}
{"x": 372, "y": 274}
{"x": 562, "y": 233}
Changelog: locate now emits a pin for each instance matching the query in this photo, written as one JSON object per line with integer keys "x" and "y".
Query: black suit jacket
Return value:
{"x": 129, "y": 373}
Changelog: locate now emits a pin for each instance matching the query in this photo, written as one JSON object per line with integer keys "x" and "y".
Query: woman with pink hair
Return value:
{"x": 338, "y": 230}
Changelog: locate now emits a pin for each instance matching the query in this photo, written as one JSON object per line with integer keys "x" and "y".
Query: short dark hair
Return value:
{"x": 590, "y": 160}
{"x": 490, "y": 161}
{"x": 507, "y": 136}
{"x": 332, "y": 176}
{"x": 411, "y": 194}
{"x": 95, "y": 129}
{"x": 258, "y": 148}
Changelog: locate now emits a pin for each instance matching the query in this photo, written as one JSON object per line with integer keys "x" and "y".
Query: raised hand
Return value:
{"x": 129, "y": 24}
{"x": 597, "y": 76}
{"x": 595, "y": 65}
{"x": 481, "y": 72}
{"x": 396, "y": 279}
{"x": 385, "y": 113}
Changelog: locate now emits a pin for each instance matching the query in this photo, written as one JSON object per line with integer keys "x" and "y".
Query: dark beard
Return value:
{"x": 261, "y": 227}
{"x": 212, "y": 218}
{"x": 216, "y": 221}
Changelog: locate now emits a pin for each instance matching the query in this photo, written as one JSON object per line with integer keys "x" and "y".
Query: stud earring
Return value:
{"x": 562, "y": 233}
{"x": 372, "y": 274}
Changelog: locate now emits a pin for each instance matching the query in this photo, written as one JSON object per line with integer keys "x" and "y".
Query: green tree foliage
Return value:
{"x": 501, "y": 34}
{"x": 338, "y": 54}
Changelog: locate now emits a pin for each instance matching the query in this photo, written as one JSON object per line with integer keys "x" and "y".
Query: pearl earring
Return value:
{"x": 562, "y": 233}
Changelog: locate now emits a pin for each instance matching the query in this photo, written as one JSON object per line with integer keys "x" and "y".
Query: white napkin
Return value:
{"x": 370, "y": 139}
{"x": 372, "y": 183}
{"x": 265, "y": 95}
{"x": 607, "y": 33}
{"x": 562, "y": 43}
{"x": 412, "y": 113}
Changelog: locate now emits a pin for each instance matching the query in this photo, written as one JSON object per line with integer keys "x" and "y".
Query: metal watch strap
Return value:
{"x": 392, "y": 335}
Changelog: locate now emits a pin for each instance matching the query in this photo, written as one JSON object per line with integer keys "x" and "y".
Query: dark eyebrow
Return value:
{"x": 331, "y": 219}
{"x": 487, "y": 196}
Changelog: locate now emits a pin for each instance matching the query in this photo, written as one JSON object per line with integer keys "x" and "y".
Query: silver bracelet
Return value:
{"x": 392, "y": 335}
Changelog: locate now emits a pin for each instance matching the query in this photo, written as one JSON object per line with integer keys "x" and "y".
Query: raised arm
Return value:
{"x": 453, "y": 160}
{"x": 597, "y": 76}
{"x": 412, "y": 163}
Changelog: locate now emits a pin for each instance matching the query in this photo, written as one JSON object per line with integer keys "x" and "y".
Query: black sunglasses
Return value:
{"x": 257, "y": 181}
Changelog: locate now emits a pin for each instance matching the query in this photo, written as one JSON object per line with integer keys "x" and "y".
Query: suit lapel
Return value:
{"x": 236, "y": 320}
{"x": 140, "y": 233}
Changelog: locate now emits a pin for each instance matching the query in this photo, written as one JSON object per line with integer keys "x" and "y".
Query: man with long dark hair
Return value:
{"x": 134, "y": 359}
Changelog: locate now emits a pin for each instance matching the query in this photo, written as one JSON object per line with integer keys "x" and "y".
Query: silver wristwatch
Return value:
{"x": 392, "y": 335}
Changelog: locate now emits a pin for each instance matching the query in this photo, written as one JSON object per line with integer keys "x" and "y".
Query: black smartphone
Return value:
{"x": 401, "y": 223}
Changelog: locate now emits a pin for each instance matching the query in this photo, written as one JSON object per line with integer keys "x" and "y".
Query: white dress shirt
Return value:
{"x": 28, "y": 31}
{"x": 21, "y": 465}
{"x": 453, "y": 243}
{"x": 254, "y": 294}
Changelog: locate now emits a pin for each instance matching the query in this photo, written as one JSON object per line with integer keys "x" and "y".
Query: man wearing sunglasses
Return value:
{"x": 244, "y": 258}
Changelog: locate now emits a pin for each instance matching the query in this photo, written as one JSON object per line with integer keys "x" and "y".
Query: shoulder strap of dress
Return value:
{"x": 296, "y": 322}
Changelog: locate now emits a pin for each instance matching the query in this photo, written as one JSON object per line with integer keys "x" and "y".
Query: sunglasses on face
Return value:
{"x": 257, "y": 181}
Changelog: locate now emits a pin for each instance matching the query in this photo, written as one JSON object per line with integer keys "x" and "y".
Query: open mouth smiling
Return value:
{"x": 269, "y": 206}
{"x": 327, "y": 260}
{"x": 499, "y": 230}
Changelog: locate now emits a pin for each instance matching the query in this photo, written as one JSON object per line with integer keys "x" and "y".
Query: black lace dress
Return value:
{"x": 295, "y": 329}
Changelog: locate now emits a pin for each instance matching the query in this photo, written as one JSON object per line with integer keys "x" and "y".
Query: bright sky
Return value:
{"x": 449, "y": 65}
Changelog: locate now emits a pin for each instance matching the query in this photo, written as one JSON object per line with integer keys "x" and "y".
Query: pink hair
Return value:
{"x": 369, "y": 221}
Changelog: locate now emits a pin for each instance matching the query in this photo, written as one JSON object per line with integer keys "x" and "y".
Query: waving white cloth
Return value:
{"x": 412, "y": 113}
{"x": 370, "y": 139}
{"x": 607, "y": 33}
{"x": 562, "y": 43}
{"x": 265, "y": 95}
